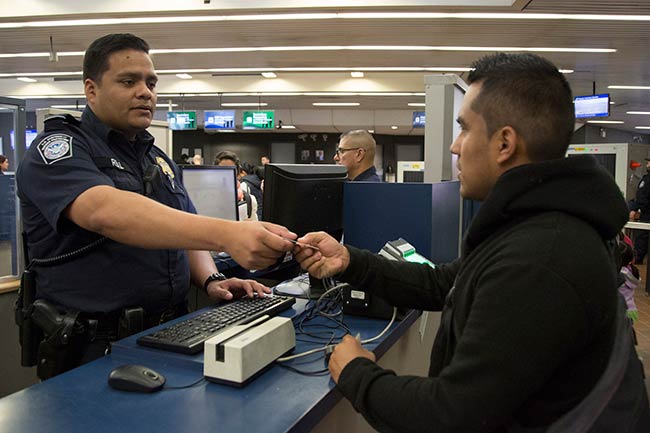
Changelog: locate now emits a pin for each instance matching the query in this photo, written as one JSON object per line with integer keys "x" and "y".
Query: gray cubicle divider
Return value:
{"x": 426, "y": 215}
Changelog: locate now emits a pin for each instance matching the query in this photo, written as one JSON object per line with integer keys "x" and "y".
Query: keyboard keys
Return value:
{"x": 188, "y": 336}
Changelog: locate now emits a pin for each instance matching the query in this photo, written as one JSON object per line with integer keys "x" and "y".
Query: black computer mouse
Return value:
{"x": 136, "y": 378}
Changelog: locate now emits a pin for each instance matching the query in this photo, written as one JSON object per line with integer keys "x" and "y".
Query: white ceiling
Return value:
{"x": 378, "y": 109}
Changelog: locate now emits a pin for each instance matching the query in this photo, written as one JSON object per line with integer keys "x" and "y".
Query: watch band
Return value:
{"x": 217, "y": 276}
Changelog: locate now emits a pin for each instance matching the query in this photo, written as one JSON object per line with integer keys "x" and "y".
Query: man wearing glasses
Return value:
{"x": 356, "y": 151}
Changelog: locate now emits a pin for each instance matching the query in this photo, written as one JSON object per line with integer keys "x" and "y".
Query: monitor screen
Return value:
{"x": 305, "y": 197}
{"x": 213, "y": 190}
{"x": 591, "y": 106}
{"x": 258, "y": 119}
{"x": 30, "y": 135}
{"x": 224, "y": 119}
{"x": 181, "y": 120}
{"x": 418, "y": 119}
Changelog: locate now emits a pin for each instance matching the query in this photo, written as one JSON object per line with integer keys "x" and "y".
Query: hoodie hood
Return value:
{"x": 578, "y": 186}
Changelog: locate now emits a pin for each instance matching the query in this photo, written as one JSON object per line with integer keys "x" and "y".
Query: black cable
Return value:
{"x": 322, "y": 372}
{"x": 62, "y": 258}
{"x": 186, "y": 386}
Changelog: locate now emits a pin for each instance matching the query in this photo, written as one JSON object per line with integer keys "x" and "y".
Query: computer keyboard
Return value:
{"x": 188, "y": 336}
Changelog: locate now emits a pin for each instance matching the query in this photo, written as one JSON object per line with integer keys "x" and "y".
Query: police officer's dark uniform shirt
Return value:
{"x": 643, "y": 198}
{"x": 369, "y": 175}
{"x": 68, "y": 158}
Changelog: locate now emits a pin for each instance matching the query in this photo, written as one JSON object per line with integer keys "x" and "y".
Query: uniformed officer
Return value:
{"x": 640, "y": 211}
{"x": 103, "y": 177}
{"x": 356, "y": 151}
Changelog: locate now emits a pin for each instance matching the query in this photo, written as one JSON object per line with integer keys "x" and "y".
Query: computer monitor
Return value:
{"x": 212, "y": 189}
{"x": 591, "y": 106}
{"x": 305, "y": 198}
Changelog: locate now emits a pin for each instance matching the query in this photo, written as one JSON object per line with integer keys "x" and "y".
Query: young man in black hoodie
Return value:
{"x": 529, "y": 308}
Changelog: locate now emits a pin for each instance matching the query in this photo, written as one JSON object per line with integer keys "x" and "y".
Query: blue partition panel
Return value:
{"x": 426, "y": 215}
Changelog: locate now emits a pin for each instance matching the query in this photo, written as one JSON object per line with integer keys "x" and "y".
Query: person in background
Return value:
{"x": 197, "y": 160}
{"x": 4, "y": 164}
{"x": 265, "y": 160}
{"x": 230, "y": 159}
{"x": 252, "y": 183}
{"x": 640, "y": 211}
{"x": 356, "y": 151}
{"x": 529, "y": 309}
{"x": 630, "y": 275}
{"x": 110, "y": 205}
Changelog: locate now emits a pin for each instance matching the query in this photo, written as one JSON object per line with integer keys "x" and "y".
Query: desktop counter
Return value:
{"x": 277, "y": 401}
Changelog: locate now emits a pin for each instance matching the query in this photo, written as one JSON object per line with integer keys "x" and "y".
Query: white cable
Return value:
{"x": 320, "y": 349}
{"x": 392, "y": 319}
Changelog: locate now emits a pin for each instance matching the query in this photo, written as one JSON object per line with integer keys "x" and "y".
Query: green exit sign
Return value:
{"x": 258, "y": 119}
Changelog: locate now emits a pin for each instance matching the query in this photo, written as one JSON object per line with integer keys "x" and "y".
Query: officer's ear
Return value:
{"x": 90, "y": 89}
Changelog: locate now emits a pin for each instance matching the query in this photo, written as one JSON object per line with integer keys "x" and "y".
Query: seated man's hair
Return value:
{"x": 528, "y": 93}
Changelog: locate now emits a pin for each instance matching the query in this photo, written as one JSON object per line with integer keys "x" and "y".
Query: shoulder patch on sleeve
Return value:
{"x": 55, "y": 147}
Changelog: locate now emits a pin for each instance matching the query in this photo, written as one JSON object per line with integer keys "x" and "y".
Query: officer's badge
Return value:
{"x": 167, "y": 170}
{"x": 55, "y": 147}
{"x": 641, "y": 185}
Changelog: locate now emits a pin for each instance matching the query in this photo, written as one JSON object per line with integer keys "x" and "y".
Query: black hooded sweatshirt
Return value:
{"x": 528, "y": 309}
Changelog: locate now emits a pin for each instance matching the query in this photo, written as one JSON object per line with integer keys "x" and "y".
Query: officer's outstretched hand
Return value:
{"x": 235, "y": 288}
{"x": 329, "y": 259}
{"x": 257, "y": 245}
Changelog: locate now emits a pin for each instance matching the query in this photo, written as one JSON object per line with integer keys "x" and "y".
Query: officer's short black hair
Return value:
{"x": 528, "y": 93}
{"x": 97, "y": 54}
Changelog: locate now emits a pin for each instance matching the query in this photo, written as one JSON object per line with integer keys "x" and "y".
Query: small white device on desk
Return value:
{"x": 237, "y": 355}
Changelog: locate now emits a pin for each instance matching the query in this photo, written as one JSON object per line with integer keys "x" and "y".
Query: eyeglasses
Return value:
{"x": 340, "y": 151}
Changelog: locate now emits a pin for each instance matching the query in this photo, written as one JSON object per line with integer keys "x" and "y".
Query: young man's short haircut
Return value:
{"x": 528, "y": 93}
{"x": 98, "y": 53}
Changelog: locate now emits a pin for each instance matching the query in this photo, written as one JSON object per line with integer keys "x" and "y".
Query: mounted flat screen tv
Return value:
{"x": 223, "y": 119}
{"x": 591, "y": 106}
{"x": 181, "y": 120}
{"x": 418, "y": 119}
{"x": 258, "y": 119}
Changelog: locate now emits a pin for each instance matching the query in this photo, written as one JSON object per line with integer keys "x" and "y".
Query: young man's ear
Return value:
{"x": 508, "y": 144}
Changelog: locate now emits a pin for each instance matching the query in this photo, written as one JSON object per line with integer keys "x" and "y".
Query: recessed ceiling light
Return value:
{"x": 311, "y": 48}
{"x": 371, "y": 131}
{"x": 335, "y": 104}
{"x": 26, "y": 79}
{"x": 184, "y": 76}
{"x": 606, "y": 121}
{"x": 244, "y": 104}
{"x": 629, "y": 87}
{"x": 393, "y": 127}
{"x": 417, "y": 104}
{"x": 638, "y": 112}
{"x": 74, "y": 107}
{"x": 269, "y": 75}
{"x": 323, "y": 16}
{"x": 357, "y": 74}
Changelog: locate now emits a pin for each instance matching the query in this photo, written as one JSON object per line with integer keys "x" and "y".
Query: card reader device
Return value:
{"x": 357, "y": 301}
{"x": 239, "y": 354}
{"x": 403, "y": 251}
